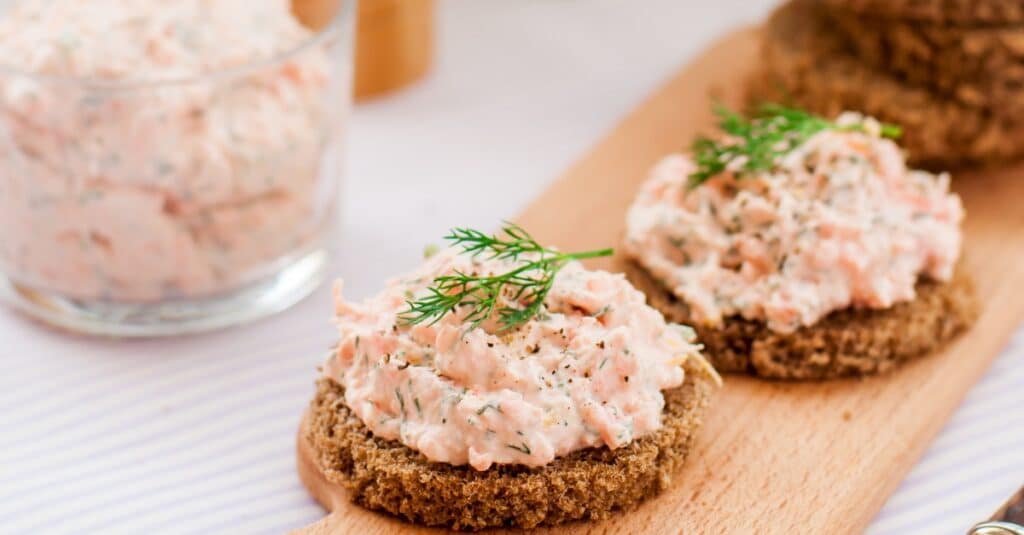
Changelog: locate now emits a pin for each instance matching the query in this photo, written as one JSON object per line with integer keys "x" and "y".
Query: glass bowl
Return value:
{"x": 146, "y": 207}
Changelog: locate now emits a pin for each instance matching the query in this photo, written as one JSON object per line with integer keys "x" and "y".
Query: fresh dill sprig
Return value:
{"x": 527, "y": 283}
{"x": 755, "y": 144}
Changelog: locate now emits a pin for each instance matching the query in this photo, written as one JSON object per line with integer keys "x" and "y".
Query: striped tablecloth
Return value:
{"x": 196, "y": 435}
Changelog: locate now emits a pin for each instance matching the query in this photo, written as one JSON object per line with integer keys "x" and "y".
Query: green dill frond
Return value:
{"x": 527, "y": 284}
{"x": 755, "y": 144}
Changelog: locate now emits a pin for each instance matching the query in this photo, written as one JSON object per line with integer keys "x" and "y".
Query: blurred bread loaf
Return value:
{"x": 956, "y": 89}
{"x": 980, "y": 66}
{"x": 957, "y": 12}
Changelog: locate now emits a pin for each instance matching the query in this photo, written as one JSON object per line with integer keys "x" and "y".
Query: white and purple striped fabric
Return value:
{"x": 196, "y": 435}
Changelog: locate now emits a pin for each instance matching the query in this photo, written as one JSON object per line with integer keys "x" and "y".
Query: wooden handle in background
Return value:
{"x": 394, "y": 40}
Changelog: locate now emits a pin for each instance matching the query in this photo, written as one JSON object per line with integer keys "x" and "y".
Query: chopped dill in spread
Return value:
{"x": 521, "y": 448}
{"x": 401, "y": 401}
{"x": 483, "y": 409}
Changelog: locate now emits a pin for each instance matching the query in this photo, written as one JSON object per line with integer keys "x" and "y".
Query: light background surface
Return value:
{"x": 196, "y": 435}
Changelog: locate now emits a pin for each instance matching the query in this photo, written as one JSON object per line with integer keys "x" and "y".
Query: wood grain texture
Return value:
{"x": 773, "y": 457}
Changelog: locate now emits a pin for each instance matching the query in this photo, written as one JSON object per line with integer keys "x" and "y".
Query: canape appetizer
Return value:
{"x": 504, "y": 384}
{"x": 801, "y": 248}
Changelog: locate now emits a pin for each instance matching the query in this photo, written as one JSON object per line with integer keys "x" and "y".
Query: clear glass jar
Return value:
{"x": 155, "y": 207}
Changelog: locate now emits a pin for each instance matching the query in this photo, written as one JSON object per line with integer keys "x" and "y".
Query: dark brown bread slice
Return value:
{"x": 847, "y": 342}
{"x": 961, "y": 12}
{"x": 808, "y": 64}
{"x": 586, "y": 485}
{"x": 981, "y": 67}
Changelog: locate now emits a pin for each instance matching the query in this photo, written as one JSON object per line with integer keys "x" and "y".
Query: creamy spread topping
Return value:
{"x": 141, "y": 193}
{"x": 839, "y": 221}
{"x": 144, "y": 39}
{"x": 589, "y": 370}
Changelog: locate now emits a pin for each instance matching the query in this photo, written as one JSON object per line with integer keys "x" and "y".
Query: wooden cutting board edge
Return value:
{"x": 713, "y": 499}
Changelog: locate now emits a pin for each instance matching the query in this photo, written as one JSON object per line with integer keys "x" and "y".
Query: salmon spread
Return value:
{"x": 156, "y": 149}
{"x": 588, "y": 370}
{"x": 838, "y": 222}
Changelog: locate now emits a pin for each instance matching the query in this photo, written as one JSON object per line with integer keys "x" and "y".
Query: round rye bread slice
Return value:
{"x": 588, "y": 484}
{"x": 951, "y": 12}
{"x": 849, "y": 342}
{"x": 809, "y": 64}
{"x": 981, "y": 67}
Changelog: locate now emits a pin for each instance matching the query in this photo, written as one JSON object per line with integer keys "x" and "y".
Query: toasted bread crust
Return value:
{"x": 980, "y": 67}
{"x": 849, "y": 342}
{"x": 807, "y": 63}
{"x": 588, "y": 484}
{"x": 952, "y": 12}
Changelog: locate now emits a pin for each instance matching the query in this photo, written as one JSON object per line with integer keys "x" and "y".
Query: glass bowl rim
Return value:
{"x": 340, "y": 18}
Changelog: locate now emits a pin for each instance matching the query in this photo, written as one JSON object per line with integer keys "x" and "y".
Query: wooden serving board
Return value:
{"x": 773, "y": 457}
